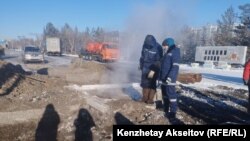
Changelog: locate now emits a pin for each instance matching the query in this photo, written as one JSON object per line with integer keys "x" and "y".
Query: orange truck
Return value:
{"x": 103, "y": 52}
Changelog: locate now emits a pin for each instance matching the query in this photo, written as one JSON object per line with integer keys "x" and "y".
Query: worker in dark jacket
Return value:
{"x": 150, "y": 66}
{"x": 246, "y": 76}
{"x": 168, "y": 75}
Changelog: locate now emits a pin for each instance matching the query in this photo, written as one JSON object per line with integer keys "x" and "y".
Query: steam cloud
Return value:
{"x": 158, "y": 20}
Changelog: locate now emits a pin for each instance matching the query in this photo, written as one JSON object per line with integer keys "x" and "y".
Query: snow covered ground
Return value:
{"x": 211, "y": 79}
{"x": 214, "y": 77}
{"x": 220, "y": 98}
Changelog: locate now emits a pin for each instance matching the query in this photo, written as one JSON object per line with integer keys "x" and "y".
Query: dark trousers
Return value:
{"x": 169, "y": 97}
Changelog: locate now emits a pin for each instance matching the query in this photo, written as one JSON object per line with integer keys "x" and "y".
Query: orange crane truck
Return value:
{"x": 103, "y": 52}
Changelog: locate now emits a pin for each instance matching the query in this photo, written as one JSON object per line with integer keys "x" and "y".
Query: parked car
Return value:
{"x": 32, "y": 54}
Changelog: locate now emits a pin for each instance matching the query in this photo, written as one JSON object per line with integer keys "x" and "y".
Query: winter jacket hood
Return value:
{"x": 149, "y": 42}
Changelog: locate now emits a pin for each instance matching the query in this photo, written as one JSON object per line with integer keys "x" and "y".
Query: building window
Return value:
{"x": 218, "y": 58}
{"x": 209, "y": 52}
{"x": 208, "y": 57}
{"x": 221, "y": 52}
{"x": 225, "y": 52}
{"x": 205, "y": 57}
{"x": 213, "y": 52}
{"x": 214, "y": 58}
{"x": 205, "y": 52}
{"x": 217, "y": 52}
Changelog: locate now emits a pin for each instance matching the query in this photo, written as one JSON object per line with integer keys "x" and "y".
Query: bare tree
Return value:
{"x": 225, "y": 33}
{"x": 50, "y": 30}
{"x": 98, "y": 34}
{"x": 72, "y": 40}
{"x": 68, "y": 37}
{"x": 188, "y": 43}
{"x": 243, "y": 30}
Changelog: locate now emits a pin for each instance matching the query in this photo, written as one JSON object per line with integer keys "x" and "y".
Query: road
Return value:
{"x": 119, "y": 72}
{"x": 15, "y": 57}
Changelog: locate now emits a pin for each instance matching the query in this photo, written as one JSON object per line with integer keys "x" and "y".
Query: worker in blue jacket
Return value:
{"x": 150, "y": 66}
{"x": 168, "y": 75}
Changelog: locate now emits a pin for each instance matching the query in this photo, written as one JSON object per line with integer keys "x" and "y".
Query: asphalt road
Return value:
{"x": 15, "y": 57}
{"x": 122, "y": 70}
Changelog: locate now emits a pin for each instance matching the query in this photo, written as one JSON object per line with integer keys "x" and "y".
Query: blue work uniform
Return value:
{"x": 150, "y": 56}
{"x": 169, "y": 71}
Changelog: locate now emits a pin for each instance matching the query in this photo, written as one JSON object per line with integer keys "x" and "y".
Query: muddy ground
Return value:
{"x": 39, "y": 105}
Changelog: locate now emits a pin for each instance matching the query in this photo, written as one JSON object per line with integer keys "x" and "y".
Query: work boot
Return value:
{"x": 151, "y": 96}
{"x": 145, "y": 93}
{"x": 173, "y": 120}
{"x": 159, "y": 105}
{"x": 170, "y": 115}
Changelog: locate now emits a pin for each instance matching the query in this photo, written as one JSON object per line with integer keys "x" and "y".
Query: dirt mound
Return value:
{"x": 90, "y": 65}
{"x": 81, "y": 72}
{"x": 8, "y": 68}
{"x": 85, "y": 72}
{"x": 10, "y": 76}
{"x": 189, "y": 78}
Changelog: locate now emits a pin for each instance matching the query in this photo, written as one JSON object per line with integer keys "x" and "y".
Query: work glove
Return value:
{"x": 245, "y": 82}
{"x": 151, "y": 74}
{"x": 158, "y": 83}
{"x": 168, "y": 80}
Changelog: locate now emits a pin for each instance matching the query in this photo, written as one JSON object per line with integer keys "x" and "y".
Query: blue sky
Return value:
{"x": 29, "y": 17}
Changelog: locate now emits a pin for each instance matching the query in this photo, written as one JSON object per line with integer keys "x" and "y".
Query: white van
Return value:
{"x": 32, "y": 54}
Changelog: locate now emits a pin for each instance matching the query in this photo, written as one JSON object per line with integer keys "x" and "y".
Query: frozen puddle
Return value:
{"x": 103, "y": 86}
{"x": 110, "y": 91}
{"x": 113, "y": 91}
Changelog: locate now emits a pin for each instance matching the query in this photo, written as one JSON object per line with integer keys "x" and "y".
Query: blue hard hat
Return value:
{"x": 168, "y": 42}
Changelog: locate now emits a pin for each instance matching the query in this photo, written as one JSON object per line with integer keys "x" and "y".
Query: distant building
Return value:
{"x": 211, "y": 30}
{"x": 205, "y": 34}
{"x": 229, "y": 54}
